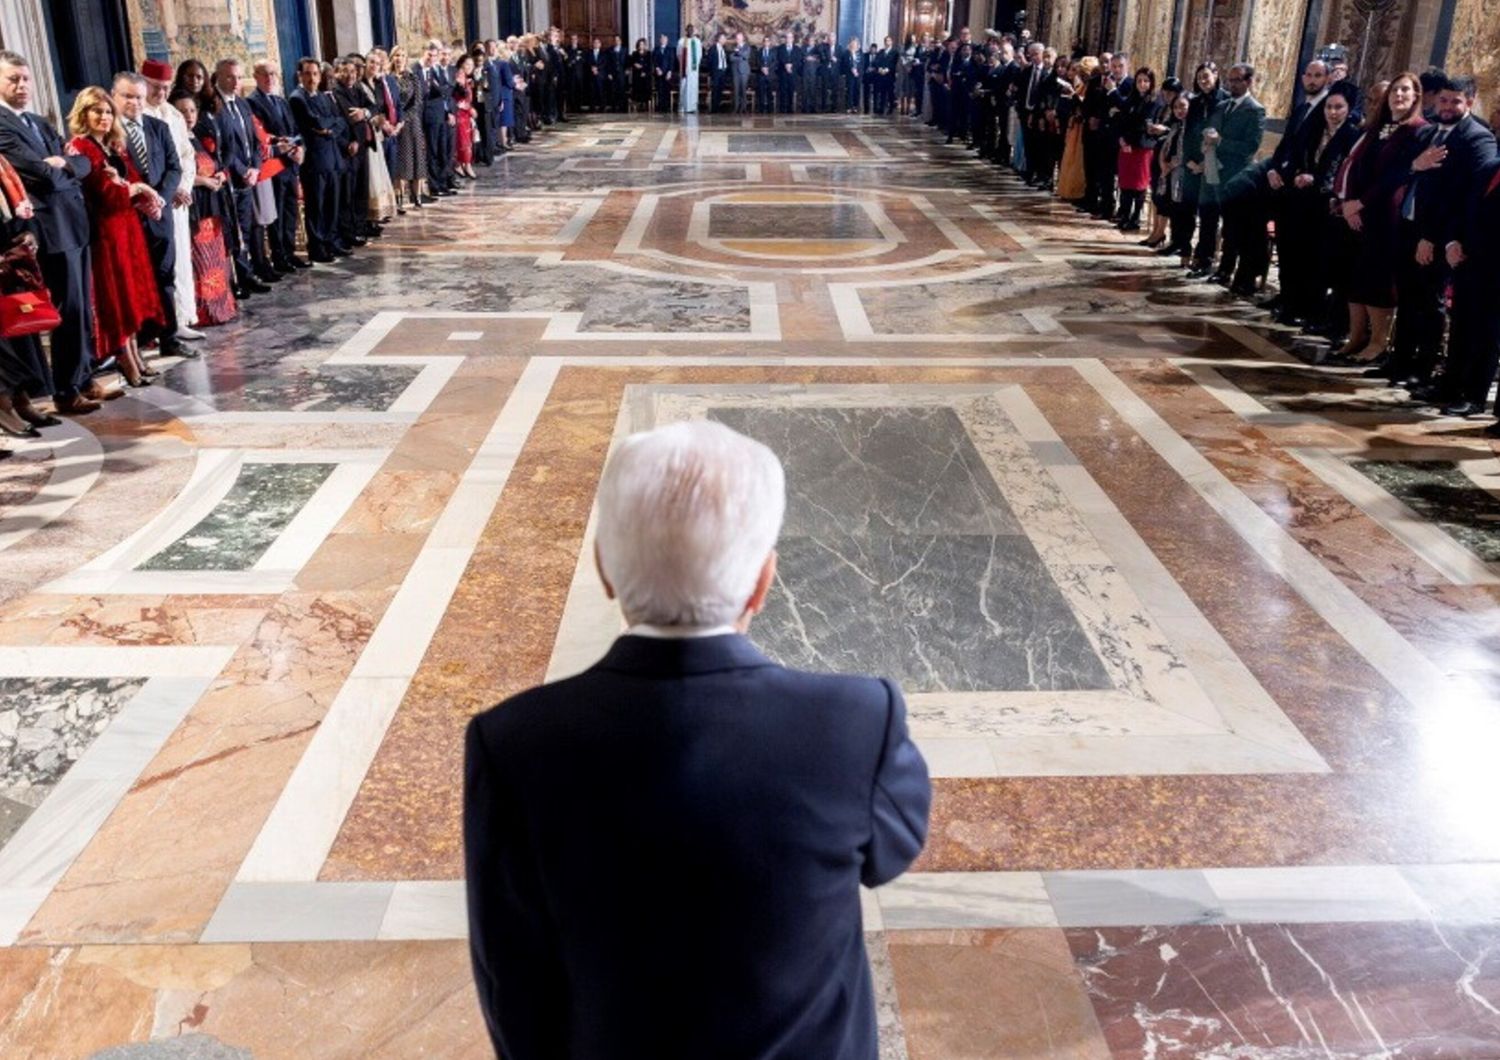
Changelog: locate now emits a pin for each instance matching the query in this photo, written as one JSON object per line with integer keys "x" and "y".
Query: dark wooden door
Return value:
{"x": 589, "y": 18}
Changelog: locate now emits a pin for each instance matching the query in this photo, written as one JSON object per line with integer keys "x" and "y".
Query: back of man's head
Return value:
{"x": 688, "y": 515}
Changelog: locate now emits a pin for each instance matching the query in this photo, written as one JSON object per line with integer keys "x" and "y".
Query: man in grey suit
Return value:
{"x": 1235, "y": 130}
{"x": 739, "y": 66}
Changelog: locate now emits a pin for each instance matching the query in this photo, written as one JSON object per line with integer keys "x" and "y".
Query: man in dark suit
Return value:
{"x": 788, "y": 64}
{"x": 1235, "y": 130}
{"x": 1030, "y": 100}
{"x": 239, "y": 150}
{"x": 664, "y": 68}
{"x": 355, "y": 228}
{"x": 437, "y": 118}
{"x": 317, "y": 123}
{"x": 275, "y": 116}
{"x": 1474, "y": 340}
{"x": 615, "y": 70}
{"x": 735, "y": 805}
{"x": 765, "y": 75}
{"x": 1454, "y": 149}
{"x": 54, "y": 183}
{"x": 149, "y": 142}
{"x": 1296, "y": 248}
{"x": 716, "y": 66}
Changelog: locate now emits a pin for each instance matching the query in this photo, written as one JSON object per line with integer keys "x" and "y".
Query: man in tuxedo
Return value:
{"x": 617, "y": 86}
{"x": 736, "y": 805}
{"x": 1454, "y": 149}
{"x": 317, "y": 122}
{"x": 716, "y": 65}
{"x": 1235, "y": 130}
{"x": 788, "y": 63}
{"x": 437, "y": 117}
{"x": 576, "y": 94}
{"x": 54, "y": 184}
{"x": 239, "y": 150}
{"x": 149, "y": 143}
{"x": 275, "y": 115}
{"x": 739, "y": 68}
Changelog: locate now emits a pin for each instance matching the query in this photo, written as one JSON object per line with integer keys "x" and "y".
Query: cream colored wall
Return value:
{"x": 1475, "y": 48}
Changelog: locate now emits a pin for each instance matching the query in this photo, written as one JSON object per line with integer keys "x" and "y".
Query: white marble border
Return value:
{"x": 213, "y": 475}
{"x": 302, "y": 826}
{"x": 77, "y": 459}
{"x": 38, "y": 855}
{"x": 713, "y": 145}
{"x": 1173, "y": 674}
{"x": 435, "y": 909}
{"x": 857, "y": 327}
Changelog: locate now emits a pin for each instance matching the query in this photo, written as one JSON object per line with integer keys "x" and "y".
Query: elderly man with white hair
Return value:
{"x": 663, "y": 854}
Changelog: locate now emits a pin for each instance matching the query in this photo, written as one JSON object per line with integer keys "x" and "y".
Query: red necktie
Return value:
{"x": 1494, "y": 183}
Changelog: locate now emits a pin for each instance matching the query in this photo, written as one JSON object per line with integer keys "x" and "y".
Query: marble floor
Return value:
{"x": 1202, "y": 642}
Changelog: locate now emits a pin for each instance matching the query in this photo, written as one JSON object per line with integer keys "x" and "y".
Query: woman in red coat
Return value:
{"x": 125, "y": 294}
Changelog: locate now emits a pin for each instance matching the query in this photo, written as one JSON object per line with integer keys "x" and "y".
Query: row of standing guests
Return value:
{"x": 173, "y": 196}
{"x": 1384, "y": 219}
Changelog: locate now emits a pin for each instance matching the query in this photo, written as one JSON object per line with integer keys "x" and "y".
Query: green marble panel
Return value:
{"x": 1440, "y": 492}
{"x": 252, "y": 515}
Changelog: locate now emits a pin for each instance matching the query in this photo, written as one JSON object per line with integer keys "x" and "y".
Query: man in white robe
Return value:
{"x": 689, "y": 56}
{"x": 158, "y": 77}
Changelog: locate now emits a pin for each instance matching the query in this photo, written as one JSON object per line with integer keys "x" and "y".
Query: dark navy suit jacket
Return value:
{"x": 664, "y": 855}
{"x": 62, "y": 217}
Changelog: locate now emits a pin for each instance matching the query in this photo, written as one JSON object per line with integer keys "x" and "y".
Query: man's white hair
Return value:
{"x": 688, "y": 514}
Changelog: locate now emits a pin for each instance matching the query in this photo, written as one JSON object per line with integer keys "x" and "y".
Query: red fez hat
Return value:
{"x": 156, "y": 70}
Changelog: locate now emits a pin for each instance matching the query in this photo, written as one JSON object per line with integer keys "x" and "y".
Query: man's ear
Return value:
{"x": 609, "y": 590}
{"x": 762, "y": 589}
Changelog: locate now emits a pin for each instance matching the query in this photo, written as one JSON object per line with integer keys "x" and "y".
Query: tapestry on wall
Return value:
{"x": 759, "y": 18}
{"x": 208, "y": 30}
{"x": 419, "y": 21}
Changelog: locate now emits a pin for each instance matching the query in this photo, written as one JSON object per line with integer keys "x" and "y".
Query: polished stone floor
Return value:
{"x": 1201, "y": 642}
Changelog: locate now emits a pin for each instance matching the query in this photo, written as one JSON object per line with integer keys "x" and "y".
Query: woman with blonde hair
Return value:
{"x": 125, "y": 292}
{"x": 411, "y": 142}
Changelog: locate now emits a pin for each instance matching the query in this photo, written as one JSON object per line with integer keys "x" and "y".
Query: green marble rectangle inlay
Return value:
{"x": 257, "y": 509}
{"x": 1441, "y": 493}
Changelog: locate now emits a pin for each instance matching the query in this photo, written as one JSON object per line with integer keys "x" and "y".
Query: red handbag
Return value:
{"x": 27, "y": 313}
{"x": 25, "y": 306}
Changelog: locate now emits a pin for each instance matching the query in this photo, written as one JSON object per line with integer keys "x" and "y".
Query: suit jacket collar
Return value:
{"x": 654, "y": 656}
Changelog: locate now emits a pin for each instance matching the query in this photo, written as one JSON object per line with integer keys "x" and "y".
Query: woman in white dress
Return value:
{"x": 689, "y": 56}
{"x": 382, "y": 191}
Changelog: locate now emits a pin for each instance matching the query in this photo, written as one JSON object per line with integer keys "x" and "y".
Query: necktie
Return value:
{"x": 137, "y": 145}
{"x": 36, "y": 134}
{"x": 1409, "y": 204}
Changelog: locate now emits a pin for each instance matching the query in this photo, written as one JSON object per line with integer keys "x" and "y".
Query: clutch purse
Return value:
{"x": 27, "y": 313}
{"x": 25, "y": 306}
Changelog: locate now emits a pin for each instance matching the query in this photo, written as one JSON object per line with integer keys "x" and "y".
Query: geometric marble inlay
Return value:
{"x": 790, "y": 221}
{"x": 257, "y": 508}
{"x": 769, "y": 143}
{"x": 1439, "y": 491}
{"x": 46, "y": 724}
{"x": 372, "y": 387}
{"x": 900, "y": 556}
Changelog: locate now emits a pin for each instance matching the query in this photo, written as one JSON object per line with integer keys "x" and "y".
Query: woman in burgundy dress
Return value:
{"x": 1370, "y": 189}
{"x": 125, "y": 293}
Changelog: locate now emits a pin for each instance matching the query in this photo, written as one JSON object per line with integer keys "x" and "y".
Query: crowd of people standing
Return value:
{"x": 174, "y": 195}
{"x": 1380, "y": 213}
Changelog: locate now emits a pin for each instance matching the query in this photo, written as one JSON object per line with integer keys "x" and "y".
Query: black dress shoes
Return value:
{"x": 28, "y": 412}
{"x": 268, "y": 276}
{"x": 1463, "y": 408}
{"x": 1493, "y": 430}
{"x": 255, "y": 286}
{"x": 298, "y": 263}
{"x": 342, "y": 251}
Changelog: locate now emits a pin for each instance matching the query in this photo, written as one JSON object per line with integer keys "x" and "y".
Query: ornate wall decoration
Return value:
{"x": 758, "y": 18}
{"x": 209, "y": 30}
{"x": 418, "y": 21}
{"x": 1475, "y": 48}
{"x": 1378, "y": 36}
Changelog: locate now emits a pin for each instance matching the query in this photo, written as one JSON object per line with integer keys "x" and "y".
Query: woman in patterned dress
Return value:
{"x": 411, "y": 144}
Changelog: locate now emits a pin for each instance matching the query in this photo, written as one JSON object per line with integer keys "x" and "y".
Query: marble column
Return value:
{"x": 352, "y": 27}
{"x": 23, "y": 28}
